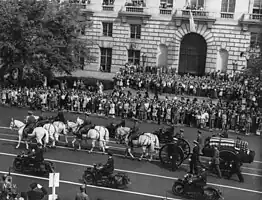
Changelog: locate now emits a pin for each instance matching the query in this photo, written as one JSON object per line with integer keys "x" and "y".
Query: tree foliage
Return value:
{"x": 42, "y": 37}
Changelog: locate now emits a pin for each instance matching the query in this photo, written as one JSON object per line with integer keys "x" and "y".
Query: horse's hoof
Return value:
{"x": 140, "y": 159}
{"x": 17, "y": 147}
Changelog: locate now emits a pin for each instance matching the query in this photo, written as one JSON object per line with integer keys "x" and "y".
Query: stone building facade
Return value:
{"x": 157, "y": 33}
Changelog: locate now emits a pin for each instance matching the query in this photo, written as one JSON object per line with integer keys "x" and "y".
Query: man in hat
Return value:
{"x": 109, "y": 167}
{"x": 134, "y": 132}
{"x": 37, "y": 192}
{"x": 30, "y": 123}
{"x": 194, "y": 159}
{"x": 216, "y": 161}
{"x": 236, "y": 168}
{"x": 173, "y": 153}
{"x": 82, "y": 194}
{"x": 180, "y": 134}
{"x": 87, "y": 124}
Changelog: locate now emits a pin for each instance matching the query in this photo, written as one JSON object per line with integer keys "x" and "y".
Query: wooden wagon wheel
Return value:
{"x": 185, "y": 147}
{"x": 166, "y": 160}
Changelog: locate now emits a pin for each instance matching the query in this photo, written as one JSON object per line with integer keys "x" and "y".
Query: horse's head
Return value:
{"x": 79, "y": 121}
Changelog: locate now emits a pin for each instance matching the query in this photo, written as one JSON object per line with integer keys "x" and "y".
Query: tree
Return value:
{"x": 42, "y": 37}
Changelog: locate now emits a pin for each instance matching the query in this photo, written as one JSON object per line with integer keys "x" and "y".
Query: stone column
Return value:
{"x": 250, "y": 6}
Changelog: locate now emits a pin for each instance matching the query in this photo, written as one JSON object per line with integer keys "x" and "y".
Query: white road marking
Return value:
{"x": 93, "y": 186}
{"x": 99, "y": 152}
{"x": 141, "y": 173}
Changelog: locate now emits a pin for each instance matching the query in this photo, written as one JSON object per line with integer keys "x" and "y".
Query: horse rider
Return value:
{"x": 122, "y": 123}
{"x": 173, "y": 153}
{"x": 60, "y": 117}
{"x": 194, "y": 159}
{"x": 216, "y": 161}
{"x": 87, "y": 124}
{"x": 180, "y": 134}
{"x": 30, "y": 123}
{"x": 42, "y": 120}
{"x": 134, "y": 132}
{"x": 109, "y": 167}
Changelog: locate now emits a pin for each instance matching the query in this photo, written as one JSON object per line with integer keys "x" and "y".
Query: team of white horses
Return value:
{"x": 51, "y": 131}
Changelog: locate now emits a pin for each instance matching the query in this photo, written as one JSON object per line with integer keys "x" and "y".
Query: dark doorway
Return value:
{"x": 192, "y": 58}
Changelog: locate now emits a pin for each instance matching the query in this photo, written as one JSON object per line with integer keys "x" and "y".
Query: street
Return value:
{"x": 149, "y": 179}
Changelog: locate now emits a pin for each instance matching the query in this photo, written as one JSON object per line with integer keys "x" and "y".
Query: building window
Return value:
{"x": 254, "y": 40}
{"x": 136, "y": 3}
{"x": 107, "y": 29}
{"x": 166, "y": 4}
{"x": 257, "y": 8}
{"x": 195, "y": 4}
{"x": 135, "y": 31}
{"x": 134, "y": 56}
{"x": 106, "y": 59}
{"x": 108, "y": 2}
{"x": 228, "y": 6}
{"x": 80, "y": 59}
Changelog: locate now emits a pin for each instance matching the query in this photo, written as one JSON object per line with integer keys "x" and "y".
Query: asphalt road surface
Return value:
{"x": 149, "y": 180}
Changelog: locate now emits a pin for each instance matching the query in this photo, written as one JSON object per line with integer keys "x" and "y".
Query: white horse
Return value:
{"x": 98, "y": 133}
{"x": 41, "y": 135}
{"x": 52, "y": 132}
{"x": 147, "y": 141}
{"x": 121, "y": 132}
{"x": 38, "y": 133}
{"x": 62, "y": 130}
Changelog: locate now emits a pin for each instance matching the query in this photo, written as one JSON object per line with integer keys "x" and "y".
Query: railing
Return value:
{"x": 165, "y": 11}
{"x": 83, "y": 4}
{"x": 108, "y": 7}
{"x": 134, "y": 9}
{"x": 199, "y": 13}
{"x": 255, "y": 17}
{"x": 227, "y": 15}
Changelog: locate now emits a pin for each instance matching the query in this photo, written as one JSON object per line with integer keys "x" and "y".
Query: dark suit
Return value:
{"x": 36, "y": 194}
{"x": 108, "y": 167}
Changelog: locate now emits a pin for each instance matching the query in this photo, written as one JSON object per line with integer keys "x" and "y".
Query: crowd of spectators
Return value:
{"x": 238, "y": 114}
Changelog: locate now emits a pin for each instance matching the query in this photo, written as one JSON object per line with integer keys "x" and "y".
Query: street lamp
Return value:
{"x": 144, "y": 60}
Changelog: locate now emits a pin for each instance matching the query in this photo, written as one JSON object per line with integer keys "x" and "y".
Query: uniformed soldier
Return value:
{"x": 180, "y": 134}
{"x": 173, "y": 153}
{"x": 199, "y": 140}
{"x": 236, "y": 168}
{"x": 60, "y": 117}
{"x": 194, "y": 159}
{"x": 87, "y": 124}
{"x": 42, "y": 120}
{"x": 216, "y": 161}
{"x": 134, "y": 131}
{"x": 30, "y": 122}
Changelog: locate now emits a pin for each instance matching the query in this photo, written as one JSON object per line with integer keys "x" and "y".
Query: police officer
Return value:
{"x": 194, "y": 159}
{"x": 173, "y": 153}
{"x": 109, "y": 167}
{"x": 39, "y": 156}
{"x": 216, "y": 161}
{"x": 30, "y": 122}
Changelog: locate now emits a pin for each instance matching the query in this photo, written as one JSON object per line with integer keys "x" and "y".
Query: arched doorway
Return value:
{"x": 162, "y": 55}
{"x": 192, "y": 58}
{"x": 222, "y": 60}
